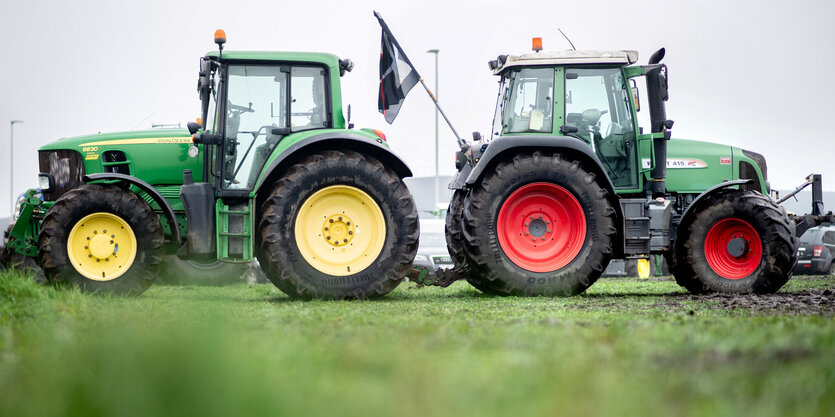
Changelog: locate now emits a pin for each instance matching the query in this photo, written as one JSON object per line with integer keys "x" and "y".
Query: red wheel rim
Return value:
{"x": 541, "y": 227}
{"x": 733, "y": 248}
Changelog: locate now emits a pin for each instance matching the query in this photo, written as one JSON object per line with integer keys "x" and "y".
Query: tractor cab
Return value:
{"x": 251, "y": 101}
{"x": 585, "y": 95}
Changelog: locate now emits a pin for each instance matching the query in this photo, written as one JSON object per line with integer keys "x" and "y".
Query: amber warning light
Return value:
{"x": 537, "y": 44}
{"x": 220, "y": 37}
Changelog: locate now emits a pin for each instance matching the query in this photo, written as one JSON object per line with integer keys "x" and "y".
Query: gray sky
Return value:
{"x": 749, "y": 74}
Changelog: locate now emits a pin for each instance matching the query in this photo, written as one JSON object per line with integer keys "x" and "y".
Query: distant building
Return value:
{"x": 423, "y": 189}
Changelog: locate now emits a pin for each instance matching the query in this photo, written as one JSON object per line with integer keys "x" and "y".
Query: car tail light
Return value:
{"x": 816, "y": 251}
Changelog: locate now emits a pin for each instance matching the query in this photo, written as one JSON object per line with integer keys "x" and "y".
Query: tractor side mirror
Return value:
{"x": 636, "y": 97}
{"x": 192, "y": 127}
{"x": 280, "y": 131}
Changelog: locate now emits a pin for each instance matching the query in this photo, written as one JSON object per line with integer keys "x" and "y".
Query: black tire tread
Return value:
{"x": 87, "y": 199}
{"x": 481, "y": 245}
{"x": 777, "y": 233}
{"x": 284, "y": 266}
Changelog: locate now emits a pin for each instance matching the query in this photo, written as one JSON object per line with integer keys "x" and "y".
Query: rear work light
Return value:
{"x": 816, "y": 251}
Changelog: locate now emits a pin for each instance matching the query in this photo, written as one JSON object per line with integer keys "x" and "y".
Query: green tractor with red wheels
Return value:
{"x": 272, "y": 172}
{"x": 568, "y": 181}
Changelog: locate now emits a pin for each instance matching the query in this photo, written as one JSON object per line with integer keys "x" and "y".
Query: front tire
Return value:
{"x": 740, "y": 242}
{"x": 338, "y": 225}
{"x": 538, "y": 224}
{"x": 101, "y": 238}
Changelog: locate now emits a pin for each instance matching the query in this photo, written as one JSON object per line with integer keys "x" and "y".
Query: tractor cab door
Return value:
{"x": 264, "y": 104}
{"x": 598, "y": 104}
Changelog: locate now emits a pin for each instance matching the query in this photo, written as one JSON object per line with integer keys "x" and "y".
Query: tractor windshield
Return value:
{"x": 528, "y": 108}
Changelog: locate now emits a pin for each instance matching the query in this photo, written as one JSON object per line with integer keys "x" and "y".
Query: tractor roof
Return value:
{"x": 567, "y": 57}
{"x": 317, "y": 57}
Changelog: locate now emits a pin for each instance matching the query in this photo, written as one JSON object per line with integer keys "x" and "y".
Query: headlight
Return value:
{"x": 17, "y": 206}
{"x": 44, "y": 182}
{"x": 422, "y": 258}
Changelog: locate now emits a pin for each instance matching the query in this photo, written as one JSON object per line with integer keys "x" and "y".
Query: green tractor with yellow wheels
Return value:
{"x": 272, "y": 172}
{"x": 568, "y": 180}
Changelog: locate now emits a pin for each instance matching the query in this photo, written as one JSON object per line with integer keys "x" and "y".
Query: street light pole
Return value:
{"x": 11, "y": 167}
{"x": 437, "y": 186}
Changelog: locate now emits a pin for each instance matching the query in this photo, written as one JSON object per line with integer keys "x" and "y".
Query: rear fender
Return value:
{"x": 326, "y": 141}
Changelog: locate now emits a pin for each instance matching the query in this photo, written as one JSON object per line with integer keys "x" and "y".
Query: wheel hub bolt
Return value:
{"x": 737, "y": 247}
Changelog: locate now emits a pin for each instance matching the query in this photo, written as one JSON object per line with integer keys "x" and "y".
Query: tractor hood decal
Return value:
{"x": 140, "y": 141}
{"x": 677, "y": 163}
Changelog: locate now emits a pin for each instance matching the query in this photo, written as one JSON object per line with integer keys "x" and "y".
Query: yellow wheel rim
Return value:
{"x": 643, "y": 268}
{"x": 340, "y": 230}
{"x": 101, "y": 246}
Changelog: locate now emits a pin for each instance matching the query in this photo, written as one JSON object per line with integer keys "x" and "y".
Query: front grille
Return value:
{"x": 747, "y": 172}
{"x": 66, "y": 169}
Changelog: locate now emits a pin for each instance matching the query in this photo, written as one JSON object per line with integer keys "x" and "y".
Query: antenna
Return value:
{"x": 566, "y": 38}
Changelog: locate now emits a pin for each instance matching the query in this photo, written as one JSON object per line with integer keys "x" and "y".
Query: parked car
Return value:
{"x": 815, "y": 251}
{"x": 432, "y": 252}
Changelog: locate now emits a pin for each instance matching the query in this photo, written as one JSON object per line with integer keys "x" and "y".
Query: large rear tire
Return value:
{"x": 338, "y": 225}
{"x": 101, "y": 238}
{"x": 538, "y": 224}
{"x": 454, "y": 238}
{"x": 740, "y": 242}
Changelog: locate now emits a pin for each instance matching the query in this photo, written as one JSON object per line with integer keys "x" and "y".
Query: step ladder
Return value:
{"x": 235, "y": 235}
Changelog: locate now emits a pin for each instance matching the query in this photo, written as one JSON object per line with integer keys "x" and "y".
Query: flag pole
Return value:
{"x": 461, "y": 142}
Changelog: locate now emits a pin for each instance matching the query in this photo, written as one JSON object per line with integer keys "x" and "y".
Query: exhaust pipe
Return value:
{"x": 656, "y": 76}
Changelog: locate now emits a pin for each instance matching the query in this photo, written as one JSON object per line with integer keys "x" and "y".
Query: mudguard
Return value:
{"x": 333, "y": 140}
{"x": 167, "y": 211}
{"x": 688, "y": 212}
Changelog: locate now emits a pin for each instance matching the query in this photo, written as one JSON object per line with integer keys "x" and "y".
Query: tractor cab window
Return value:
{"x": 260, "y": 98}
{"x": 307, "y": 105}
{"x": 528, "y": 108}
{"x": 597, "y": 103}
{"x": 255, "y": 103}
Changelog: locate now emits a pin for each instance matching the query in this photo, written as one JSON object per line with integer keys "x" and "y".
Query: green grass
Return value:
{"x": 625, "y": 347}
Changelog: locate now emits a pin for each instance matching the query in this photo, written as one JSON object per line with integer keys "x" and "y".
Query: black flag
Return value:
{"x": 397, "y": 75}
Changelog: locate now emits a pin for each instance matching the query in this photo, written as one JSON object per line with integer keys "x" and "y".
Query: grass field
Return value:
{"x": 625, "y": 347}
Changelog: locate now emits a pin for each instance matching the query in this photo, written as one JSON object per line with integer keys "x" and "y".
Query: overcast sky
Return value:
{"x": 749, "y": 74}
